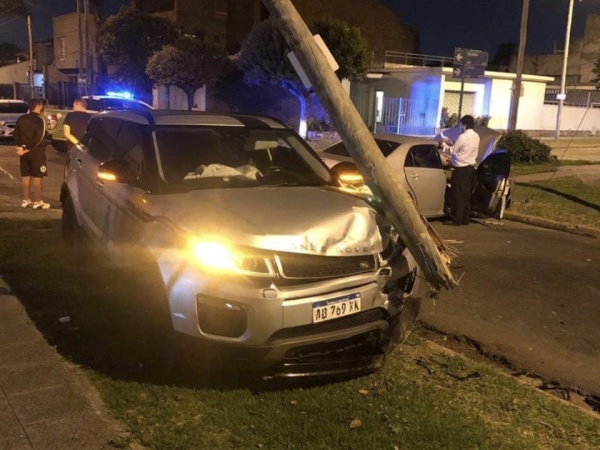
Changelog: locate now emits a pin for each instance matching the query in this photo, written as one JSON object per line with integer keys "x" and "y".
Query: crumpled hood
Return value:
{"x": 309, "y": 220}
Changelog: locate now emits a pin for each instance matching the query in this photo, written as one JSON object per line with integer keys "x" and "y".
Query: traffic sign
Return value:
{"x": 470, "y": 56}
{"x": 470, "y": 71}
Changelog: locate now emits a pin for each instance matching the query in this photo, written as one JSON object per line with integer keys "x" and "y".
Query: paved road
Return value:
{"x": 529, "y": 294}
{"x": 10, "y": 179}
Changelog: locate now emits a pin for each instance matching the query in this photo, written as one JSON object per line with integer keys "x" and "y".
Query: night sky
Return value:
{"x": 442, "y": 24}
{"x": 485, "y": 24}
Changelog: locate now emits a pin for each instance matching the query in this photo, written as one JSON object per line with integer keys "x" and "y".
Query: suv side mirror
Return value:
{"x": 347, "y": 174}
{"x": 117, "y": 171}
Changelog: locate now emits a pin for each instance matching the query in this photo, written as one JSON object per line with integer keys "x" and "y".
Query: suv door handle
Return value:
{"x": 414, "y": 175}
{"x": 79, "y": 161}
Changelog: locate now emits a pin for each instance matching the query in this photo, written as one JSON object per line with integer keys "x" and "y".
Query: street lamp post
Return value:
{"x": 561, "y": 96}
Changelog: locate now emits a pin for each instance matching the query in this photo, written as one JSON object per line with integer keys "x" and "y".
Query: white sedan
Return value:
{"x": 416, "y": 163}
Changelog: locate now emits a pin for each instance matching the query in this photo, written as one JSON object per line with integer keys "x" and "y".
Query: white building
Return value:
{"x": 409, "y": 99}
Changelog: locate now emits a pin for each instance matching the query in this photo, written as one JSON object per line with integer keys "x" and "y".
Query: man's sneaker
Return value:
{"x": 26, "y": 203}
{"x": 40, "y": 205}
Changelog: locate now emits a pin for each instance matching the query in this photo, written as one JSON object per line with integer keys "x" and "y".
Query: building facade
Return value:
{"x": 583, "y": 54}
{"x": 228, "y": 22}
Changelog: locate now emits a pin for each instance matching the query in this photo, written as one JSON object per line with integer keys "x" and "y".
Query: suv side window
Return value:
{"x": 129, "y": 147}
{"x": 103, "y": 139}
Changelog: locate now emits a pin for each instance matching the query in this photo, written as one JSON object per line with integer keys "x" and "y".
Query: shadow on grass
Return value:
{"x": 105, "y": 330}
{"x": 564, "y": 195}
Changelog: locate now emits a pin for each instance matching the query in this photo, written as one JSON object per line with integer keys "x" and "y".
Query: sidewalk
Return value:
{"x": 45, "y": 402}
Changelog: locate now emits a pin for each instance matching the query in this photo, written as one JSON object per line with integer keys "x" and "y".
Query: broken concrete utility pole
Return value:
{"x": 397, "y": 204}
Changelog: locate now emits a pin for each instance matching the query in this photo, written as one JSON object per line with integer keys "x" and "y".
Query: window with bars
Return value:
{"x": 221, "y": 6}
{"x": 61, "y": 51}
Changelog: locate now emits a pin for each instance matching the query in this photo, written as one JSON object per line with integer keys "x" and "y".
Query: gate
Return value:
{"x": 398, "y": 115}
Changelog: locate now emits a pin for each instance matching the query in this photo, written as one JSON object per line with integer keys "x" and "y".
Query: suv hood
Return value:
{"x": 310, "y": 220}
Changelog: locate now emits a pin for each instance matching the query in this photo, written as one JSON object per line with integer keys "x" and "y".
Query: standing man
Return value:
{"x": 464, "y": 159}
{"x": 76, "y": 122}
{"x": 30, "y": 140}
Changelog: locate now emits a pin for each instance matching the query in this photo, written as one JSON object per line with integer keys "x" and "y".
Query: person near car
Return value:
{"x": 76, "y": 122}
{"x": 30, "y": 139}
{"x": 463, "y": 157}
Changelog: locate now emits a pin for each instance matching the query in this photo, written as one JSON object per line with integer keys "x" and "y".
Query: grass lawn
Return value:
{"x": 563, "y": 142}
{"x": 566, "y": 199}
{"x": 422, "y": 398}
{"x": 528, "y": 169}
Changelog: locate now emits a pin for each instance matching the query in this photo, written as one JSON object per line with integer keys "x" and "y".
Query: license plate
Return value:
{"x": 336, "y": 307}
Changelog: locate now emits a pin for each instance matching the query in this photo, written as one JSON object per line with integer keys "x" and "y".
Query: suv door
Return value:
{"x": 125, "y": 211}
{"x": 89, "y": 192}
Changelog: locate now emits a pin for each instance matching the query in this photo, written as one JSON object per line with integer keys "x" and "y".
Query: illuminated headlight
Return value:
{"x": 220, "y": 257}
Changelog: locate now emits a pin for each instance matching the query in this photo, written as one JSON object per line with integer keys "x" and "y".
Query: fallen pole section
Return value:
{"x": 397, "y": 204}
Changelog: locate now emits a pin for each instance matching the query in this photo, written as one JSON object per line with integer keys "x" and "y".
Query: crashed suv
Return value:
{"x": 255, "y": 248}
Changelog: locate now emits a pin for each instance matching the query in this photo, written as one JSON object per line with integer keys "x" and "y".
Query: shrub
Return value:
{"x": 314, "y": 124}
{"x": 525, "y": 148}
{"x": 483, "y": 120}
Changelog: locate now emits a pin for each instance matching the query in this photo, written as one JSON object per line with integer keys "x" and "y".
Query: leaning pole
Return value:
{"x": 396, "y": 203}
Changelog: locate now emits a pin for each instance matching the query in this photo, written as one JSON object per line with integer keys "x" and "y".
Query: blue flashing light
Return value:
{"x": 121, "y": 94}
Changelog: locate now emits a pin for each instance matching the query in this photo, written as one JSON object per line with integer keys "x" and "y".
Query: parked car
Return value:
{"x": 95, "y": 104}
{"x": 10, "y": 111}
{"x": 426, "y": 177}
{"x": 252, "y": 246}
{"x": 416, "y": 163}
{"x": 492, "y": 191}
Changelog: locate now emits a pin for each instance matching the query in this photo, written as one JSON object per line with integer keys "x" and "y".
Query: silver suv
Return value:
{"x": 247, "y": 238}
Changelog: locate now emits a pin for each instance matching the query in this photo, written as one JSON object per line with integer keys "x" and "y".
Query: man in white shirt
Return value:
{"x": 464, "y": 160}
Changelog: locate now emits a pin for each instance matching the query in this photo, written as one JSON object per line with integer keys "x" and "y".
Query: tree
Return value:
{"x": 14, "y": 7}
{"x": 128, "y": 39}
{"x": 8, "y": 51}
{"x": 263, "y": 61}
{"x": 350, "y": 50}
{"x": 596, "y": 70}
{"x": 503, "y": 55}
{"x": 263, "y": 58}
{"x": 189, "y": 64}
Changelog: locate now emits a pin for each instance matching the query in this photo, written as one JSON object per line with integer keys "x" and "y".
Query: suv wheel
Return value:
{"x": 72, "y": 233}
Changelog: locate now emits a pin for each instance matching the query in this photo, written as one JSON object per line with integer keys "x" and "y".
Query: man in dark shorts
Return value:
{"x": 30, "y": 140}
{"x": 76, "y": 122}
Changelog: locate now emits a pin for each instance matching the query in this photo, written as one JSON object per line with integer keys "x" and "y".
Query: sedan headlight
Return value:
{"x": 2, "y": 123}
{"x": 217, "y": 256}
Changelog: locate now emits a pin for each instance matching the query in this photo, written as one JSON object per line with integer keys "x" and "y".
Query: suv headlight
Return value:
{"x": 217, "y": 256}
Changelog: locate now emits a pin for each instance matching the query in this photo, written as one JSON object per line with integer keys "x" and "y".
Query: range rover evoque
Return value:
{"x": 256, "y": 249}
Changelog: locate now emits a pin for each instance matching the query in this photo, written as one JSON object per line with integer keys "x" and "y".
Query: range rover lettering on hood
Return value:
{"x": 352, "y": 233}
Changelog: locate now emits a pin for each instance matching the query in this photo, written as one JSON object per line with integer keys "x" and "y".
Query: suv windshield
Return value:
{"x": 13, "y": 108}
{"x": 220, "y": 157}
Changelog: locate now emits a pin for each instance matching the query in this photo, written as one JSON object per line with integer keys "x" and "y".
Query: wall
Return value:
{"x": 380, "y": 26}
{"x": 583, "y": 53}
{"x": 66, "y": 26}
{"x": 172, "y": 97}
{"x": 15, "y": 73}
{"x": 590, "y": 52}
{"x": 574, "y": 119}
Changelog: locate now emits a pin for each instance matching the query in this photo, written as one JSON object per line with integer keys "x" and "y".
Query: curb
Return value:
{"x": 553, "y": 225}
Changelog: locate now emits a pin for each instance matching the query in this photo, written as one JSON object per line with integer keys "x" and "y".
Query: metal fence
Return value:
{"x": 575, "y": 97}
{"x": 398, "y": 115}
